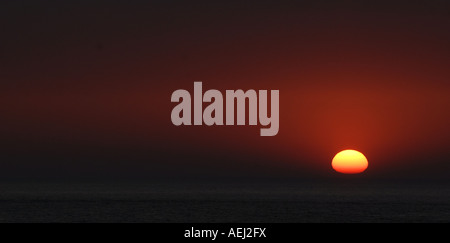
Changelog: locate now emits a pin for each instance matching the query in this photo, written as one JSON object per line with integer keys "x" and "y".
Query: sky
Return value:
{"x": 85, "y": 87}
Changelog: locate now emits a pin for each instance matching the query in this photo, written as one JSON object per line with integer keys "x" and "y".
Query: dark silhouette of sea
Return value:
{"x": 289, "y": 202}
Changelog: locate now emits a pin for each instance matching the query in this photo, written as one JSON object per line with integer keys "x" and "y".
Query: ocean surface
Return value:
{"x": 293, "y": 202}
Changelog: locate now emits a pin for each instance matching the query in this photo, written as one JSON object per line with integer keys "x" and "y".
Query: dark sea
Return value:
{"x": 196, "y": 202}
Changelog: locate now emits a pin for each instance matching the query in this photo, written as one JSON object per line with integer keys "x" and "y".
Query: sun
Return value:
{"x": 349, "y": 162}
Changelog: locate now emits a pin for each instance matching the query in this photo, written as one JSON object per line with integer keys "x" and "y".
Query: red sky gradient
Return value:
{"x": 94, "y": 81}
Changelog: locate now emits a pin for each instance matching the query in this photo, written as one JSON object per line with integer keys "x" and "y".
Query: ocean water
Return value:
{"x": 293, "y": 202}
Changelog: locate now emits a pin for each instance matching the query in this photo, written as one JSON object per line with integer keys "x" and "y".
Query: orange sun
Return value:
{"x": 349, "y": 162}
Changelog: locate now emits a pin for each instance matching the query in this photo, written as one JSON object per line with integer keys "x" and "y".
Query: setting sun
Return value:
{"x": 349, "y": 162}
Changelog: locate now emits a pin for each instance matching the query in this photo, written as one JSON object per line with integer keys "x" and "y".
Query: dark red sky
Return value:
{"x": 85, "y": 86}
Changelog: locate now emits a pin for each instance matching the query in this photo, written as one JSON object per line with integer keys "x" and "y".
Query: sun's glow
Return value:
{"x": 349, "y": 162}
